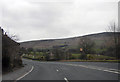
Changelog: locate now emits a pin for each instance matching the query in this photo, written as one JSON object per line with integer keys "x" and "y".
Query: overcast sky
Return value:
{"x": 49, "y": 19}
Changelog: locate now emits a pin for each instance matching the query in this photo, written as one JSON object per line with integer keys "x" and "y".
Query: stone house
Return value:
{"x": 11, "y": 56}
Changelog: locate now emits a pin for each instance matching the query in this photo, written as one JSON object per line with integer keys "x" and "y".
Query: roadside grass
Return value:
{"x": 75, "y": 56}
{"x": 31, "y": 58}
{"x": 78, "y": 60}
{"x": 34, "y": 57}
{"x": 93, "y": 57}
{"x": 99, "y": 57}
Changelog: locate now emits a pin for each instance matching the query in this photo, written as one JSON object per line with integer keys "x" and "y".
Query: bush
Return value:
{"x": 83, "y": 56}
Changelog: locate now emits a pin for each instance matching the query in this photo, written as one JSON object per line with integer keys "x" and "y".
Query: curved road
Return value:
{"x": 72, "y": 71}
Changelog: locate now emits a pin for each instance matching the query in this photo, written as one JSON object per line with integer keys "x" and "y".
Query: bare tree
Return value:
{"x": 115, "y": 35}
{"x": 12, "y": 36}
{"x": 86, "y": 46}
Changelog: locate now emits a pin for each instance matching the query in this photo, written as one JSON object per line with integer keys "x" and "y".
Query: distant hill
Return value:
{"x": 99, "y": 38}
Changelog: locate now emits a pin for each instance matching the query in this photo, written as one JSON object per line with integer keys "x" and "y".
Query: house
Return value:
{"x": 11, "y": 56}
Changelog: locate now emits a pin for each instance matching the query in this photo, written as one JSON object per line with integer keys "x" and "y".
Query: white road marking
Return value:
{"x": 99, "y": 69}
{"x": 57, "y": 70}
{"x": 116, "y": 71}
{"x": 111, "y": 71}
{"x": 66, "y": 79}
{"x": 92, "y": 67}
{"x": 26, "y": 73}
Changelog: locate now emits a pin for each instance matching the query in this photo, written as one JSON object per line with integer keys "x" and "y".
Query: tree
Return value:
{"x": 12, "y": 36}
{"x": 58, "y": 53}
{"x": 30, "y": 49}
{"x": 87, "y": 45}
{"x": 23, "y": 50}
{"x": 47, "y": 57}
{"x": 115, "y": 38}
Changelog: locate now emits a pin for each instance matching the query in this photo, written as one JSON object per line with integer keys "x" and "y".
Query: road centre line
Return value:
{"x": 66, "y": 79}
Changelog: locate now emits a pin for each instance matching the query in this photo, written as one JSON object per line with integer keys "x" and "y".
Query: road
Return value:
{"x": 71, "y": 71}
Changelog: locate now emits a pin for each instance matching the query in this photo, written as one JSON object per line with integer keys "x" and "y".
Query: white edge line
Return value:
{"x": 66, "y": 79}
{"x": 95, "y": 68}
{"x": 111, "y": 71}
{"x": 25, "y": 73}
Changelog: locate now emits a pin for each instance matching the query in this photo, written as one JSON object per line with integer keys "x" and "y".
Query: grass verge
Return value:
{"x": 78, "y": 60}
{"x": 116, "y": 61}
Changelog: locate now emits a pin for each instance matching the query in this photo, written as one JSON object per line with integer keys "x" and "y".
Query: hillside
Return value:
{"x": 99, "y": 38}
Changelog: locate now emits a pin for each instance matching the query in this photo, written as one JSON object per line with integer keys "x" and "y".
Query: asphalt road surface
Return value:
{"x": 71, "y": 71}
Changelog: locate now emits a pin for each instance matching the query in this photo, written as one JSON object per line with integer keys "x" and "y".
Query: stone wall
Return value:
{"x": 11, "y": 56}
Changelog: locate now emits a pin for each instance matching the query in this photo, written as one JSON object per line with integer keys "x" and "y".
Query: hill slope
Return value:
{"x": 99, "y": 38}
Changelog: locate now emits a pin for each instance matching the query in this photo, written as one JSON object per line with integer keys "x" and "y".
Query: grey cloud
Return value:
{"x": 35, "y": 20}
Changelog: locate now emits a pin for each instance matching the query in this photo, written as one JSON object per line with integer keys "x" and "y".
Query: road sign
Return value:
{"x": 81, "y": 49}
